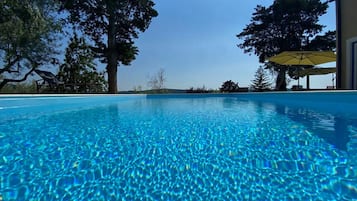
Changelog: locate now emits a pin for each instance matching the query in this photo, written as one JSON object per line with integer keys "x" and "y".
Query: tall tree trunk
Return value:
{"x": 112, "y": 76}
{"x": 112, "y": 55}
{"x": 281, "y": 80}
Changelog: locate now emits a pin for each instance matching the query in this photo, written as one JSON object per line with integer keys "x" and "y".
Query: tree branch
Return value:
{"x": 5, "y": 81}
{"x": 97, "y": 50}
{"x": 9, "y": 65}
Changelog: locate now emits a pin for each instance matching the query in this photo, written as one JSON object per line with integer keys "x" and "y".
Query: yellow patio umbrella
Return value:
{"x": 303, "y": 58}
{"x": 318, "y": 71}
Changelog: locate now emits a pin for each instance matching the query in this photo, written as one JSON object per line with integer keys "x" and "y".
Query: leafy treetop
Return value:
{"x": 229, "y": 86}
{"x": 112, "y": 26}
{"x": 286, "y": 26}
{"x": 261, "y": 80}
{"x": 78, "y": 70}
{"x": 28, "y": 31}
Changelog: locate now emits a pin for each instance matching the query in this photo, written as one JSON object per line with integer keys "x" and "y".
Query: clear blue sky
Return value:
{"x": 195, "y": 42}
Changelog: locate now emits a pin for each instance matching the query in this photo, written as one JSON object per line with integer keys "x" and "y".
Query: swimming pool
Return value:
{"x": 272, "y": 146}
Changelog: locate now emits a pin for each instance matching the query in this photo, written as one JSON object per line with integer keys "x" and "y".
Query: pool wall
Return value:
{"x": 337, "y": 97}
{"x": 12, "y": 107}
{"x": 331, "y": 101}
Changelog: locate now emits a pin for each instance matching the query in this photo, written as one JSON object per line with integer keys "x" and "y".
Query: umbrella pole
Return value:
{"x": 298, "y": 78}
{"x": 333, "y": 81}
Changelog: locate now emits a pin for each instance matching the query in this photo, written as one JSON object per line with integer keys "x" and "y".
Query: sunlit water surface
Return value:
{"x": 212, "y": 148}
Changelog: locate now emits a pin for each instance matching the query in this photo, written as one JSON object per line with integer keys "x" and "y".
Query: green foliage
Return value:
{"x": 78, "y": 71}
{"x": 286, "y": 26}
{"x": 202, "y": 89}
{"x": 229, "y": 86}
{"x": 27, "y": 35}
{"x": 92, "y": 82}
{"x": 23, "y": 88}
{"x": 112, "y": 26}
{"x": 261, "y": 81}
{"x": 324, "y": 42}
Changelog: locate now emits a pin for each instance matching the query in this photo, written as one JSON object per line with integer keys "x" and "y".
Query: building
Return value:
{"x": 346, "y": 44}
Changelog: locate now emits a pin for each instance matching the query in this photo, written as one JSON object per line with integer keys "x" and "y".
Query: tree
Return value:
{"x": 285, "y": 26}
{"x": 27, "y": 37}
{"x": 261, "y": 80}
{"x": 79, "y": 70}
{"x": 20, "y": 87}
{"x": 112, "y": 26}
{"x": 157, "y": 81}
{"x": 229, "y": 86}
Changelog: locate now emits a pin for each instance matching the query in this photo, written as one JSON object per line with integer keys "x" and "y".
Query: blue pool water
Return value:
{"x": 179, "y": 147}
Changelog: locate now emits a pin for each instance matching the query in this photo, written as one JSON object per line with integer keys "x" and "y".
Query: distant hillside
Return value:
{"x": 151, "y": 91}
